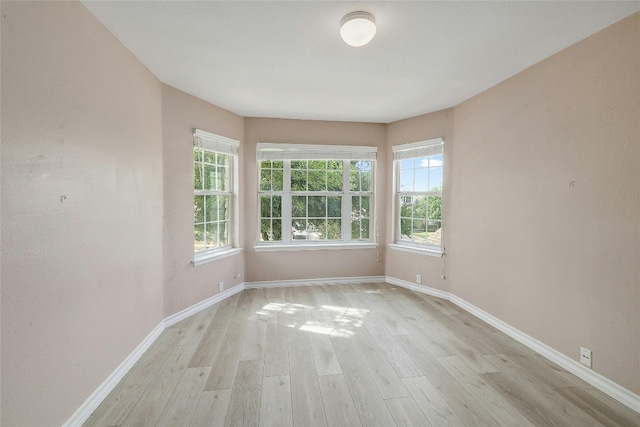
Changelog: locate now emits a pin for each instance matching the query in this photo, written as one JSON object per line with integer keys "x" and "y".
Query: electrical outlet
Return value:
{"x": 585, "y": 357}
{"x": 220, "y": 286}
{"x": 418, "y": 278}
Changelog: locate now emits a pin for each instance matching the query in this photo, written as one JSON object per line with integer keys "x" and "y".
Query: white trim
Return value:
{"x": 278, "y": 151}
{"x": 616, "y": 391}
{"x": 190, "y": 311}
{"x": 96, "y": 398}
{"x": 418, "y": 288}
{"x": 427, "y": 251}
{"x": 312, "y": 282}
{"x": 212, "y": 141}
{"x": 266, "y": 247}
{"x": 214, "y": 256}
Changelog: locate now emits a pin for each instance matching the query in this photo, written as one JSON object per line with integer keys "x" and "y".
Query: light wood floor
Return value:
{"x": 348, "y": 355}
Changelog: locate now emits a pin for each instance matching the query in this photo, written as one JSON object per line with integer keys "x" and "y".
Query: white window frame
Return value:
{"x": 288, "y": 152}
{"x": 219, "y": 144}
{"x": 411, "y": 151}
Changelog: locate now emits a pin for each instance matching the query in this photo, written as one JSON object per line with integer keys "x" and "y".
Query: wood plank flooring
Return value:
{"x": 347, "y": 355}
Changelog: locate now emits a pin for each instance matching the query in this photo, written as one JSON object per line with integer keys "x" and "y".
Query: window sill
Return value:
{"x": 416, "y": 250}
{"x": 215, "y": 256}
{"x": 313, "y": 247}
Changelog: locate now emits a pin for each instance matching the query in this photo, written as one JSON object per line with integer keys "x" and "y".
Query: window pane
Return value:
{"x": 334, "y": 229}
{"x": 222, "y": 183}
{"x": 364, "y": 228}
{"x": 299, "y": 206}
{"x": 224, "y": 233}
{"x": 266, "y": 233}
{"x": 406, "y": 180}
{"x": 316, "y": 229}
{"x": 298, "y": 180}
{"x": 317, "y": 180}
{"x": 198, "y": 209}
{"x": 366, "y": 201}
{"x": 212, "y": 235}
{"x": 298, "y": 164}
{"x": 299, "y": 228}
{"x": 406, "y": 207}
{"x": 420, "y": 207}
{"x": 198, "y": 237}
{"x": 265, "y": 164}
{"x": 276, "y": 211}
{"x": 197, "y": 176}
{"x": 212, "y": 208}
{"x": 265, "y": 180}
{"x": 265, "y": 206}
{"x": 318, "y": 164}
{"x": 335, "y": 165}
{"x": 434, "y": 208}
{"x": 334, "y": 207}
{"x": 276, "y": 227}
{"x": 334, "y": 181}
{"x": 435, "y": 179}
{"x": 317, "y": 206}
{"x": 365, "y": 181}
{"x": 223, "y": 159}
{"x": 277, "y": 180}
{"x": 197, "y": 155}
{"x": 421, "y": 179}
{"x": 405, "y": 229}
{"x": 209, "y": 177}
{"x": 209, "y": 157}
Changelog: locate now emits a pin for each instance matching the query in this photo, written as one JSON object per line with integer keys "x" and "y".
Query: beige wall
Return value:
{"x": 404, "y": 265}
{"x": 541, "y": 207}
{"x": 81, "y": 275}
{"x": 184, "y": 284}
{"x": 544, "y": 228}
{"x": 265, "y": 266}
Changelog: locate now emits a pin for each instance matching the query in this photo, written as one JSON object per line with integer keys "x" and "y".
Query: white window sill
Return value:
{"x": 215, "y": 256}
{"x": 428, "y": 251}
{"x": 265, "y": 247}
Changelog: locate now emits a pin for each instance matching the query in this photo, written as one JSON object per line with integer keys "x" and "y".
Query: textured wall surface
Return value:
{"x": 81, "y": 208}
{"x": 185, "y": 284}
{"x": 545, "y": 226}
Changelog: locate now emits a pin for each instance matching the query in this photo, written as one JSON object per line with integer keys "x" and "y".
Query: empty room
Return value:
{"x": 320, "y": 213}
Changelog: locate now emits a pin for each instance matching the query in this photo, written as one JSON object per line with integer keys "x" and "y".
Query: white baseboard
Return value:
{"x": 190, "y": 311}
{"x": 90, "y": 405}
{"x": 418, "y": 288}
{"x": 311, "y": 282}
{"x": 600, "y": 382}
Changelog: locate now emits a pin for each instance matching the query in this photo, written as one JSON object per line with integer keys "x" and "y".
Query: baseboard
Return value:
{"x": 311, "y": 282}
{"x": 616, "y": 391}
{"x": 90, "y": 405}
{"x": 190, "y": 311}
{"x": 418, "y": 288}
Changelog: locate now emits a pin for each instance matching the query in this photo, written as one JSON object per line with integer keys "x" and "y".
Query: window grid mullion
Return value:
{"x": 286, "y": 202}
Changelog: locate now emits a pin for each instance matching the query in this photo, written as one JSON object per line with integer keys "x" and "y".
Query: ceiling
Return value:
{"x": 286, "y": 59}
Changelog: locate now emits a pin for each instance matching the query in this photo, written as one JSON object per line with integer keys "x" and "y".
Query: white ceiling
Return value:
{"x": 286, "y": 59}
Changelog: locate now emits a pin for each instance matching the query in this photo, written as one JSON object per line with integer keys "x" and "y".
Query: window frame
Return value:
{"x": 218, "y": 144}
{"x": 416, "y": 150}
{"x": 287, "y": 153}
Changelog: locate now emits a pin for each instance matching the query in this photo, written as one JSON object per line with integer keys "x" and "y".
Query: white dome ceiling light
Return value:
{"x": 357, "y": 28}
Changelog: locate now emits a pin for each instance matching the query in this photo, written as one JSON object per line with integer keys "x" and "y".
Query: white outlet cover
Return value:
{"x": 585, "y": 356}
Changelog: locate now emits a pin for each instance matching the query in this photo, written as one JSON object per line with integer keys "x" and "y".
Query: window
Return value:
{"x": 214, "y": 158}
{"x": 315, "y": 194}
{"x": 419, "y": 174}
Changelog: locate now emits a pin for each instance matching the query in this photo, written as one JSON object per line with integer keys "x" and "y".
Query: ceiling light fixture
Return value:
{"x": 357, "y": 28}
